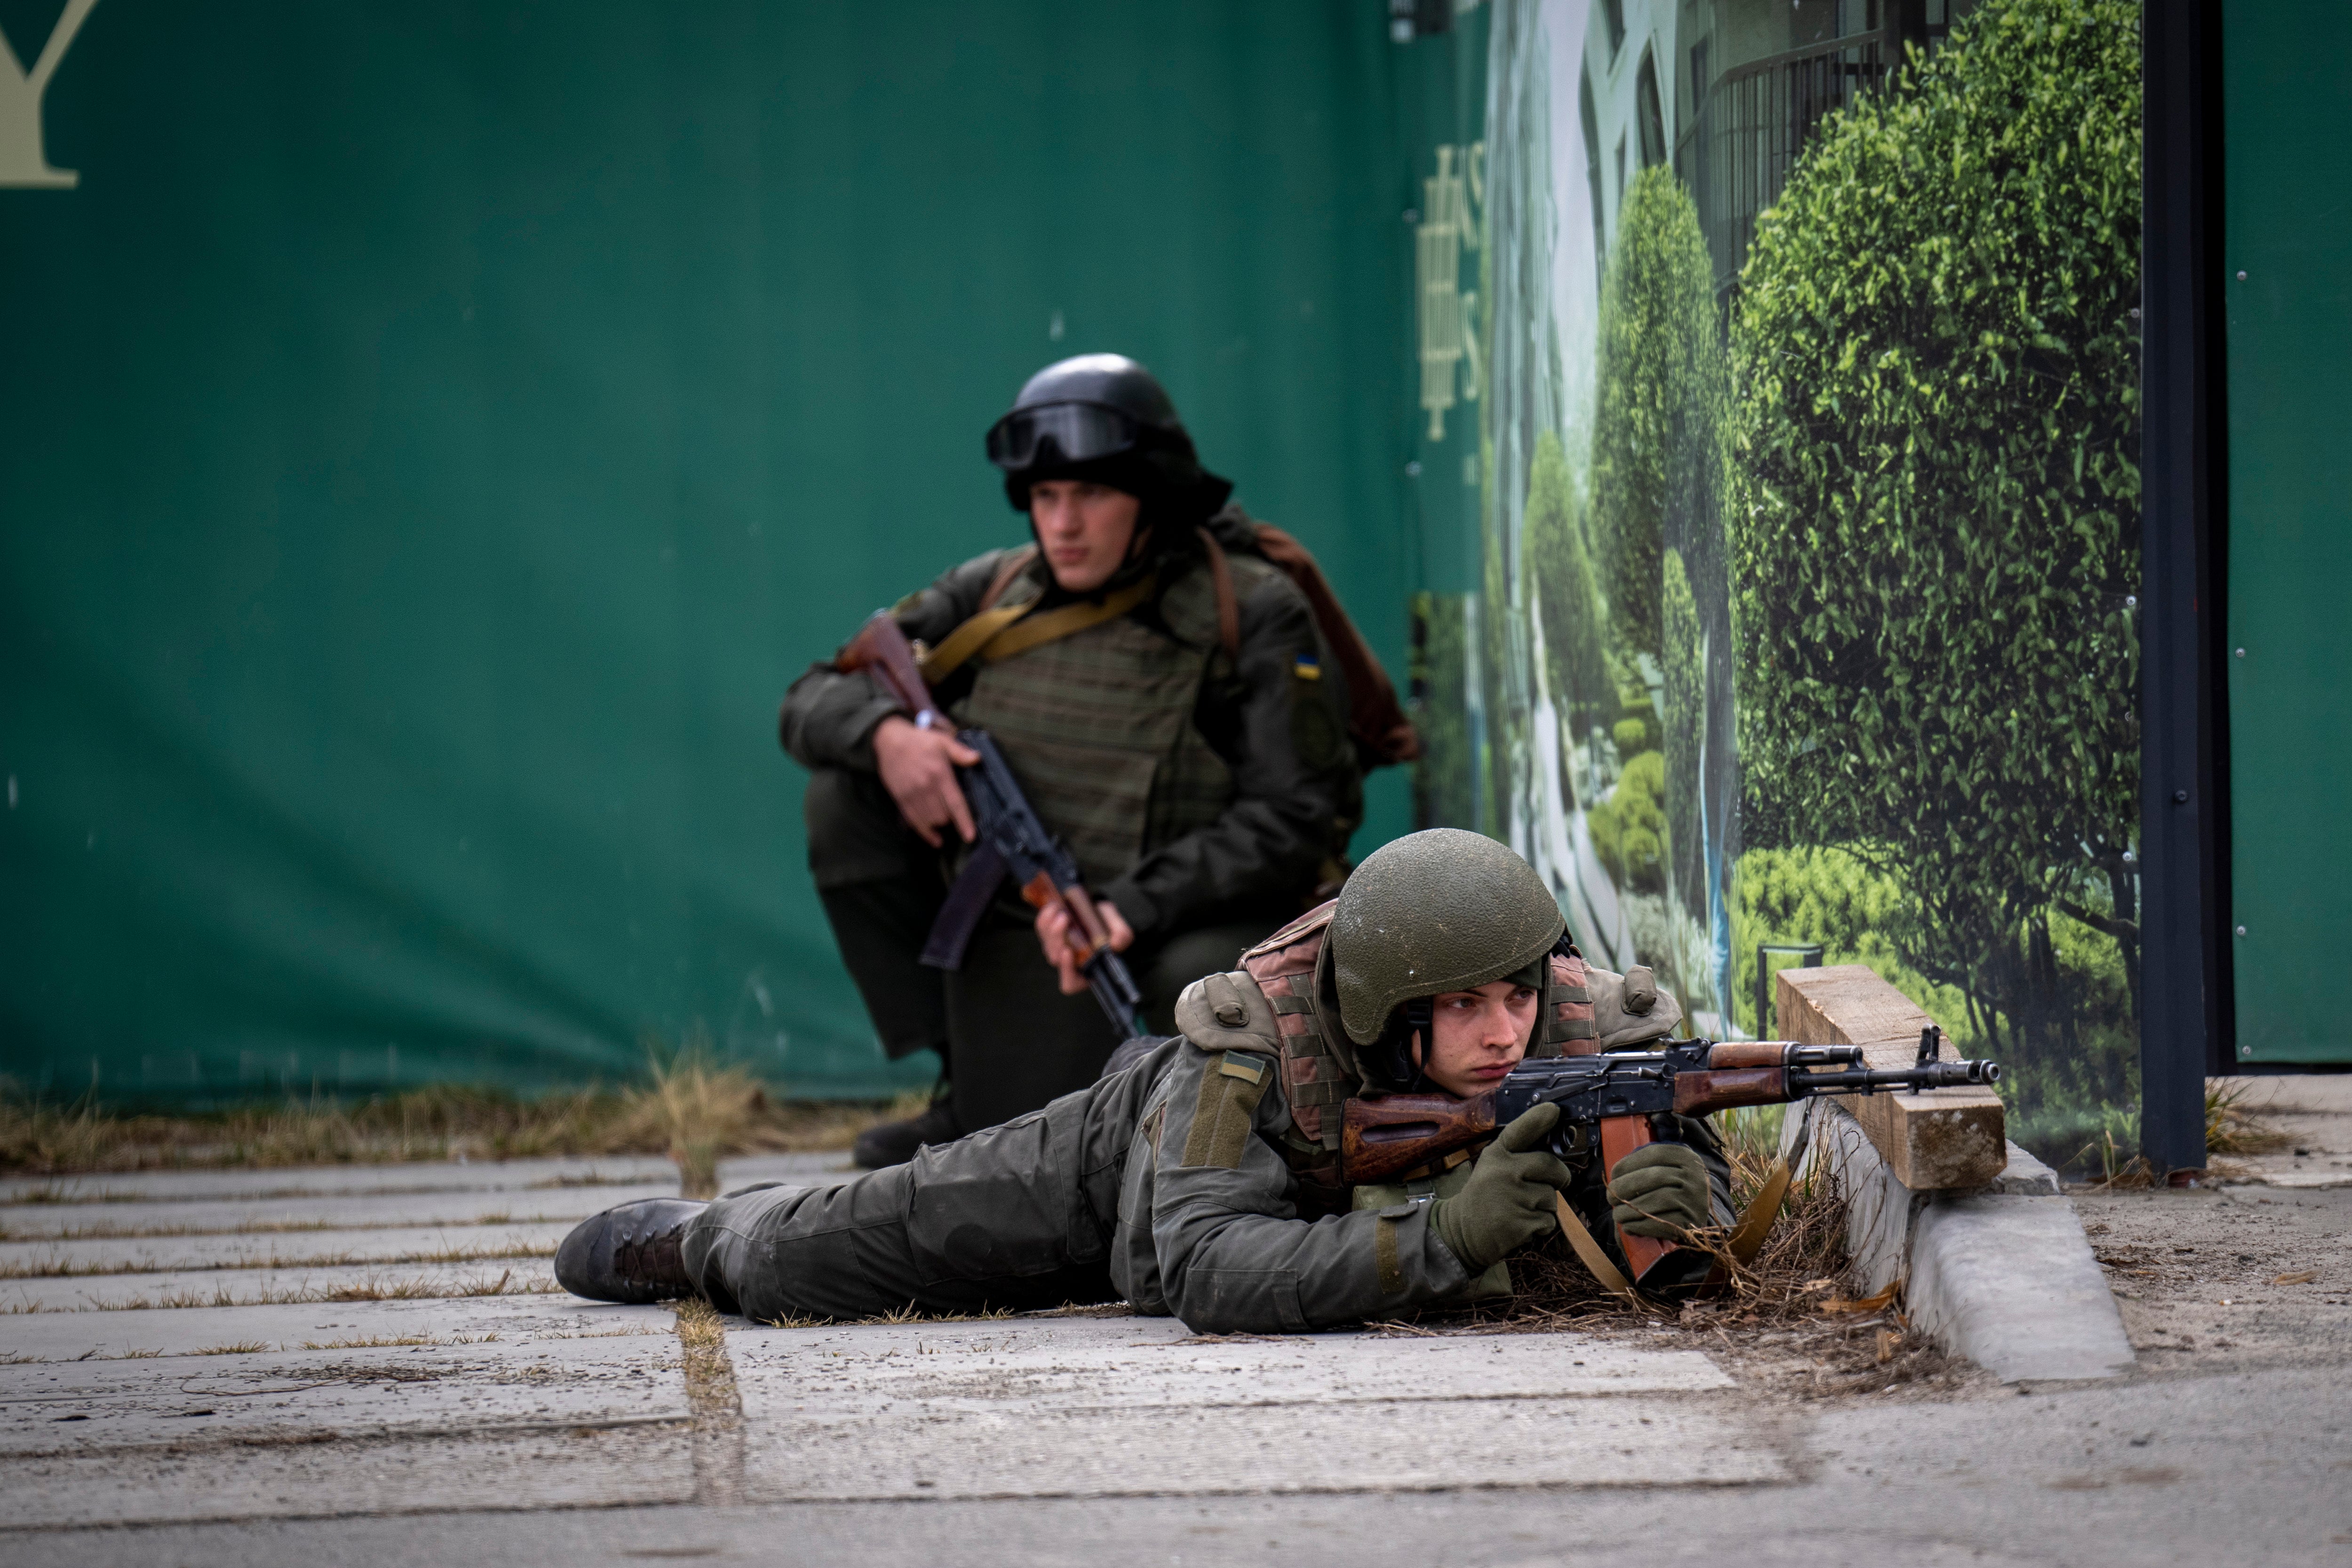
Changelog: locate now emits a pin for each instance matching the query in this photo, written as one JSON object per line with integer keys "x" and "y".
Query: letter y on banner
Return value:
{"x": 22, "y": 161}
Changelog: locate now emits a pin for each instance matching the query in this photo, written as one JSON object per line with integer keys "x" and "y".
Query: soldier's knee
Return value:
{"x": 843, "y": 800}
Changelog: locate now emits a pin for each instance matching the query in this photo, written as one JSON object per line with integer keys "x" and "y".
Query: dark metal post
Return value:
{"x": 2185, "y": 1010}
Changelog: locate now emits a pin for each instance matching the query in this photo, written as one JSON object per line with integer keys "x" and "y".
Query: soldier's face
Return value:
{"x": 1085, "y": 531}
{"x": 1480, "y": 1036}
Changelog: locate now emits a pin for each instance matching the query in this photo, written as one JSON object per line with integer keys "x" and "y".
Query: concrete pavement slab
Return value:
{"x": 588, "y": 1468}
{"x": 83, "y": 1406}
{"x": 198, "y": 1331}
{"x": 1225, "y": 1448}
{"x": 255, "y": 1286}
{"x": 411, "y": 1177}
{"x": 1068, "y": 1363}
{"x": 307, "y": 1249}
{"x": 295, "y": 1216}
{"x": 304, "y": 1181}
{"x": 1099, "y": 1406}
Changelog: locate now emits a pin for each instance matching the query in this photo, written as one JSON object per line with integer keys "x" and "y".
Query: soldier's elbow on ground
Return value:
{"x": 1239, "y": 1301}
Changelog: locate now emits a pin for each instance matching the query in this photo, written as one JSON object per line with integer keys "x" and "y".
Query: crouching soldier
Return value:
{"x": 1202, "y": 1178}
{"x": 1165, "y": 696}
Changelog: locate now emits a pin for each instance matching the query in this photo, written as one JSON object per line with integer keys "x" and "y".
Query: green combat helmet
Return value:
{"x": 1433, "y": 911}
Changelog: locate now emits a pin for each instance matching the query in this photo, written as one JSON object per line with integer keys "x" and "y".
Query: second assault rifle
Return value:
{"x": 1621, "y": 1100}
{"x": 1012, "y": 840}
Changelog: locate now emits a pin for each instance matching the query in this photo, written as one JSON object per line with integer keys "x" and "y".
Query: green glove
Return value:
{"x": 1507, "y": 1202}
{"x": 1661, "y": 1190}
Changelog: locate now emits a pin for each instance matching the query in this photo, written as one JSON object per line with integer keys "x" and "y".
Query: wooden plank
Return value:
{"x": 1945, "y": 1138}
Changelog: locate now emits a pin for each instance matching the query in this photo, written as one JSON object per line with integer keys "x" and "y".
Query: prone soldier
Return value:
{"x": 1202, "y": 1177}
{"x": 1165, "y": 698}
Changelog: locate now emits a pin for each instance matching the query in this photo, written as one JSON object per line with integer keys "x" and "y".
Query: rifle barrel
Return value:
{"x": 1929, "y": 1075}
{"x": 1115, "y": 990}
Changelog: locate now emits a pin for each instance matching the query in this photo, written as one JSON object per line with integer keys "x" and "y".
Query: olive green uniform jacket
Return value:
{"x": 1251, "y": 839}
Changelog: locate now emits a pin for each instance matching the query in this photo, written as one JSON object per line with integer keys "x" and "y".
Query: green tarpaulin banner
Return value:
{"x": 436, "y": 434}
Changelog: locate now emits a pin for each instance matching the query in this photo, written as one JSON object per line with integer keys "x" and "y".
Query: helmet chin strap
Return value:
{"x": 1409, "y": 1026}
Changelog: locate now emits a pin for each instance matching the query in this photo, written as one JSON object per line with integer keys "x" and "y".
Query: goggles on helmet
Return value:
{"x": 1079, "y": 433}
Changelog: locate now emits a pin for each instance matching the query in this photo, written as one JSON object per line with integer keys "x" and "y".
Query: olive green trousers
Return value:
{"x": 1018, "y": 1216}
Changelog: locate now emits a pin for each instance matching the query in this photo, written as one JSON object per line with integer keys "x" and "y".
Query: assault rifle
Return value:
{"x": 1012, "y": 840}
{"x": 1628, "y": 1098}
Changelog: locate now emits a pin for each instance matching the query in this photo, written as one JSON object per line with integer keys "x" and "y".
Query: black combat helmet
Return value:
{"x": 1106, "y": 418}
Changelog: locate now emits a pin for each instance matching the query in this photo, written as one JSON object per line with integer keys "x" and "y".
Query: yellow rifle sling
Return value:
{"x": 1589, "y": 1251}
{"x": 999, "y": 634}
{"x": 1756, "y": 1223}
{"x": 968, "y": 639}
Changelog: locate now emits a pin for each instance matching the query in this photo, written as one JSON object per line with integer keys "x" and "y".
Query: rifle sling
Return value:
{"x": 959, "y": 913}
{"x": 1756, "y": 1223}
{"x": 1615, "y": 1283}
{"x": 1008, "y": 629}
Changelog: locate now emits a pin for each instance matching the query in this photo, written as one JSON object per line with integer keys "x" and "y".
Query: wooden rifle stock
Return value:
{"x": 1383, "y": 1136}
{"x": 1721, "y": 1088}
{"x": 881, "y": 647}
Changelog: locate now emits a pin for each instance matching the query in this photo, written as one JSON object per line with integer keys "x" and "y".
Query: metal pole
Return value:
{"x": 2185, "y": 1005}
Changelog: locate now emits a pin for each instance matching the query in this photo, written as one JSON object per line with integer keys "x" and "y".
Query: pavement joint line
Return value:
{"x": 715, "y": 1403}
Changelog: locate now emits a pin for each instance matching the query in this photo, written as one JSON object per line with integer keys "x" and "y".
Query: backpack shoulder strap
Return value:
{"x": 1229, "y": 609}
{"x": 1376, "y": 722}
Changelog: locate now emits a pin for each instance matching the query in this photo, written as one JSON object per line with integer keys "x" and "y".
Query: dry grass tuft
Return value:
{"x": 709, "y": 1373}
{"x": 690, "y": 1108}
{"x": 697, "y": 1112}
{"x": 1784, "y": 1313}
{"x": 394, "y": 1341}
{"x": 2231, "y": 1128}
{"x": 1788, "y": 1281}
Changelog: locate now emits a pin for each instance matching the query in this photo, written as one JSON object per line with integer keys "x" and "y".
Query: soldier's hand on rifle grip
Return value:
{"x": 918, "y": 767}
{"x": 1509, "y": 1200}
{"x": 1661, "y": 1190}
{"x": 1054, "y": 936}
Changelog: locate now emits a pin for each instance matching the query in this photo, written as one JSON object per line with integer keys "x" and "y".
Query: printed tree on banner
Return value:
{"x": 1937, "y": 503}
{"x": 1566, "y": 590}
{"x": 1659, "y": 399}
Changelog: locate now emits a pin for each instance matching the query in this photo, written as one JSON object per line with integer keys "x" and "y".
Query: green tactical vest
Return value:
{"x": 1097, "y": 726}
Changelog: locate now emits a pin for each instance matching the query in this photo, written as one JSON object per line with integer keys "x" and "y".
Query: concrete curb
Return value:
{"x": 2001, "y": 1275}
